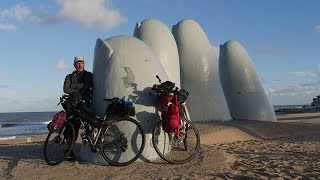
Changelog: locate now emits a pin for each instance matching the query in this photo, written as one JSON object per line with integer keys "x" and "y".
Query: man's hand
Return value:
{"x": 80, "y": 86}
{"x": 77, "y": 86}
{"x": 76, "y": 96}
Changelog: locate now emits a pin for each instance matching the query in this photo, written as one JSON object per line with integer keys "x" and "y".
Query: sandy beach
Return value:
{"x": 287, "y": 149}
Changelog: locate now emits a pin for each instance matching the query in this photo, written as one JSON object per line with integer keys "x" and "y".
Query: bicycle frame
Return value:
{"x": 102, "y": 130}
{"x": 93, "y": 140}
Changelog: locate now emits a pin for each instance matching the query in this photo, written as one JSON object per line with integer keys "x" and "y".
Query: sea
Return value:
{"x": 24, "y": 124}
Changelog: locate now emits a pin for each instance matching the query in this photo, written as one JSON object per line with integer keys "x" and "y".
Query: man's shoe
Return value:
{"x": 71, "y": 156}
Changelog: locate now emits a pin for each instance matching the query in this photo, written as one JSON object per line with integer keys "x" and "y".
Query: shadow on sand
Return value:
{"x": 13, "y": 153}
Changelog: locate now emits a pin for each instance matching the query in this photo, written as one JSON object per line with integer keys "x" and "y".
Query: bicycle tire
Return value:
{"x": 55, "y": 155}
{"x": 176, "y": 151}
{"x": 123, "y": 141}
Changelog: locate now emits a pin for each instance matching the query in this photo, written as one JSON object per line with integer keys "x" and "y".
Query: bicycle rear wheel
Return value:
{"x": 123, "y": 141}
{"x": 59, "y": 144}
{"x": 175, "y": 151}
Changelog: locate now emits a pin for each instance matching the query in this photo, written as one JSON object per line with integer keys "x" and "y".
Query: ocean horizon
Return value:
{"x": 16, "y": 125}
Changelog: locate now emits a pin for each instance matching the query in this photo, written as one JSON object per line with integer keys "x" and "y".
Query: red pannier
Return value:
{"x": 57, "y": 121}
{"x": 164, "y": 99}
{"x": 171, "y": 115}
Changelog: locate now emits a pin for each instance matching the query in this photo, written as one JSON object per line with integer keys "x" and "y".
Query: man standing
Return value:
{"x": 78, "y": 85}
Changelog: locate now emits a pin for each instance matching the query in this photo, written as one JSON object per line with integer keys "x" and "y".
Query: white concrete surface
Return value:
{"x": 199, "y": 73}
{"x": 242, "y": 87}
{"x": 160, "y": 39}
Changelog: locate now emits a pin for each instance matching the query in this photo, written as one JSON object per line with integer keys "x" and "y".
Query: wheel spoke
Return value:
{"x": 123, "y": 142}
{"x": 55, "y": 147}
{"x": 172, "y": 150}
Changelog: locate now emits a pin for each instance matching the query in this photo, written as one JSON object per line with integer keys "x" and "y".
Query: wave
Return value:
{"x": 46, "y": 122}
{"x": 8, "y": 125}
{"x": 8, "y": 137}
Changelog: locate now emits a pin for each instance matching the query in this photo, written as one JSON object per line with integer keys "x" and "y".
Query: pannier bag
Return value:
{"x": 120, "y": 107}
{"x": 171, "y": 116}
{"x": 57, "y": 121}
{"x": 163, "y": 100}
{"x": 167, "y": 87}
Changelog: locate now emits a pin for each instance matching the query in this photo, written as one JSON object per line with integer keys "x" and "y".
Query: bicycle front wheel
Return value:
{"x": 172, "y": 149}
{"x": 123, "y": 141}
{"x": 59, "y": 144}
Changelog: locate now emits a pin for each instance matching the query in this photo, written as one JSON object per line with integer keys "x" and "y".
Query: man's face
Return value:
{"x": 79, "y": 65}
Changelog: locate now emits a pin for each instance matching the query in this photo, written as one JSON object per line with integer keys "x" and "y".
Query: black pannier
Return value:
{"x": 167, "y": 87}
{"x": 120, "y": 107}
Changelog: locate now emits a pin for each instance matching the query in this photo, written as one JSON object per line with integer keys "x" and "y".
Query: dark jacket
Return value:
{"x": 79, "y": 84}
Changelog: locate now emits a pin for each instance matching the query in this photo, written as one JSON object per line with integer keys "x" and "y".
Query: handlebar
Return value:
{"x": 165, "y": 87}
{"x": 158, "y": 78}
{"x": 66, "y": 97}
{"x": 63, "y": 98}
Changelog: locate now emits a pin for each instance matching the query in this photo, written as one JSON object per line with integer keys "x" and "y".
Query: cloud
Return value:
{"x": 317, "y": 28}
{"x": 296, "y": 90}
{"x": 7, "y": 27}
{"x": 28, "y": 104}
{"x": 301, "y": 93}
{"x": 270, "y": 50}
{"x": 92, "y": 14}
{"x": 304, "y": 74}
{"x": 270, "y": 91}
{"x": 311, "y": 88}
{"x": 7, "y": 86}
{"x": 313, "y": 74}
{"x": 18, "y": 12}
{"x": 311, "y": 83}
{"x": 38, "y": 20}
{"x": 60, "y": 64}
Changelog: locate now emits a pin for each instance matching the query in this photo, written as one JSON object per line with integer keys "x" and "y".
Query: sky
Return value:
{"x": 39, "y": 39}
